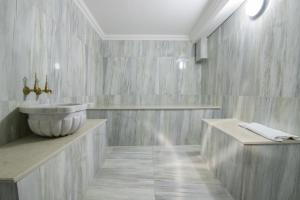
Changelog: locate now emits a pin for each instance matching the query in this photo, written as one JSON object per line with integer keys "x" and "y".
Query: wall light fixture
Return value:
{"x": 255, "y": 7}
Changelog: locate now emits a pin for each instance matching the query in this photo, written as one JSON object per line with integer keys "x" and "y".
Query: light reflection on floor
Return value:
{"x": 160, "y": 173}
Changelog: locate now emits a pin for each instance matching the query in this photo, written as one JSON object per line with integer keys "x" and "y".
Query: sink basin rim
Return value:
{"x": 52, "y": 108}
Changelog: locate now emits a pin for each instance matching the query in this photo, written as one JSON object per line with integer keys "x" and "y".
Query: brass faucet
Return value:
{"x": 26, "y": 89}
{"x": 47, "y": 90}
{"x": 36, "y": 89}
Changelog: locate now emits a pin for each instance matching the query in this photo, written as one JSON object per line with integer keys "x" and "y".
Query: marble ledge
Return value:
{"x": 19, "y": 158}
{"x": 154, "y": 107}
{"x": 231, "y": 128}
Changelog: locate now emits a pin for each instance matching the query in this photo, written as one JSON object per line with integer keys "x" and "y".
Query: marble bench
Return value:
{"x": 248, "y": 165}
{"x": 37, "y": 168}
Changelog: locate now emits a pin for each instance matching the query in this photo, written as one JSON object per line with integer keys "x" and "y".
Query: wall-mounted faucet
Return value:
{"x": 46, "y": 89}
{"x": 36, "y": 89}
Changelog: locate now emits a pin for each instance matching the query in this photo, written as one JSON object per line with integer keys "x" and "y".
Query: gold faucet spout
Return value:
{"x": 26, "y": 89}
{"x": 47, "y": 90}
{"x": 36, "y": 89}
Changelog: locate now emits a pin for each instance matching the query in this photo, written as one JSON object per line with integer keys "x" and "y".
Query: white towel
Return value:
{"x": 269, "y": 133}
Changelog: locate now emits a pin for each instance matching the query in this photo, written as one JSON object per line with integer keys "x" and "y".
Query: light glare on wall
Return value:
{"x": 57, "y": 66}
{"x": 254, "y": 7}
{"x": 181, "y": 63}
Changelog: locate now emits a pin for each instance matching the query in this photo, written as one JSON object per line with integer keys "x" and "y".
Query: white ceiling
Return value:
{"x": 156, "y": 19}
{"x": 146, "y": 17}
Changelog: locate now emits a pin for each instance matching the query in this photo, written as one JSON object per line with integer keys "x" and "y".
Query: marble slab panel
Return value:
{"x": 260, "y": 171}
{"x": 154, "y": 107}
{"x": 253, "y": 66}
{"x": 150, "y": 99}
{"x": 225, "y": 158}
{"x": 67, "y": 175}
{"x": 272, "y": 172}
{"x": 153, "y": 127}
{"x": 39, "y": 36}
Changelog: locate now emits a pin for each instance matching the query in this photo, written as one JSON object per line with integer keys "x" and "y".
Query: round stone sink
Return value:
{"x": 55, "y": 120}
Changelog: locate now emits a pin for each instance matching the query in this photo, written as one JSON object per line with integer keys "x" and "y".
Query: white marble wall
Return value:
{"x": 159, "y": 127}
{"x": 253, "y": 69}
{"x": 147, "y": 73}
{"x": 34, "y": 36}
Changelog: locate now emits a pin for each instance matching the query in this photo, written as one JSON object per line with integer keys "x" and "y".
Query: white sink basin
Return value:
{"x": 55, "y": 120}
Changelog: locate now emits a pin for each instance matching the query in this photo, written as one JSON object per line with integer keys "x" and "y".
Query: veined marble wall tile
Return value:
{"x": 7, "y": 16}
{"x": 158, "y": 100}
{"x": 12, "y": 124}
{"x": 147, "y": 48}
{"x": 272, "y": 172}
{"x": 260, "y": 172}
{"x": 67, "y": 175}
{"x": 275, "y": 112}
{"x": 147, "y": 80}
{"x": 36, "y": 36}
{"x": 135, "y": 70}
{"x": 168, "y": 79}
{"x": 134, "y": 128}
{"x": 176, "y": 81}
{"x": 253, "y": 68}
{"x": 224, "y": 157}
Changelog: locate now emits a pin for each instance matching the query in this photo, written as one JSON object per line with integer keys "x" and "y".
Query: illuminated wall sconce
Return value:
{"x": 255, "y": 8}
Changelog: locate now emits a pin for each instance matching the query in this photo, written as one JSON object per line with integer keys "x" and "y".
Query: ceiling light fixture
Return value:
{"x": 255, "y": 7}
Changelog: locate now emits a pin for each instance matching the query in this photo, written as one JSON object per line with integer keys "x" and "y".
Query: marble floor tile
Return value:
{"x": 111, "y": 193}
{"x": 155, "y": 173}
{"x": 121, "y": 163}
{"x": 140, "y": 153}
{"x": 134, "y": 149}
{"x": 169, "y": 191}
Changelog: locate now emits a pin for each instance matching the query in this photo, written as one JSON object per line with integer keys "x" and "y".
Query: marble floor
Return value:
{"x": 155, "y": 173}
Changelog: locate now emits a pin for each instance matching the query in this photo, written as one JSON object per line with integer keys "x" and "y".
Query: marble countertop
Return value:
{"x": 20, "y": 157}
{"x": 155, "y": 107}
{"x": 231, "y": 128}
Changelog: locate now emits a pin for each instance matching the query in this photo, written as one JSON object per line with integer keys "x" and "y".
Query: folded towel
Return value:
{"x": 269, "y": 133}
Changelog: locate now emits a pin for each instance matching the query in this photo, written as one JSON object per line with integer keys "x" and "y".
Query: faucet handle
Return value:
{"x": 47, "y": 90}
{"x": 36, "y": 87}
{"x": 46, "y": 83}
{"x": 26, "y": 89}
